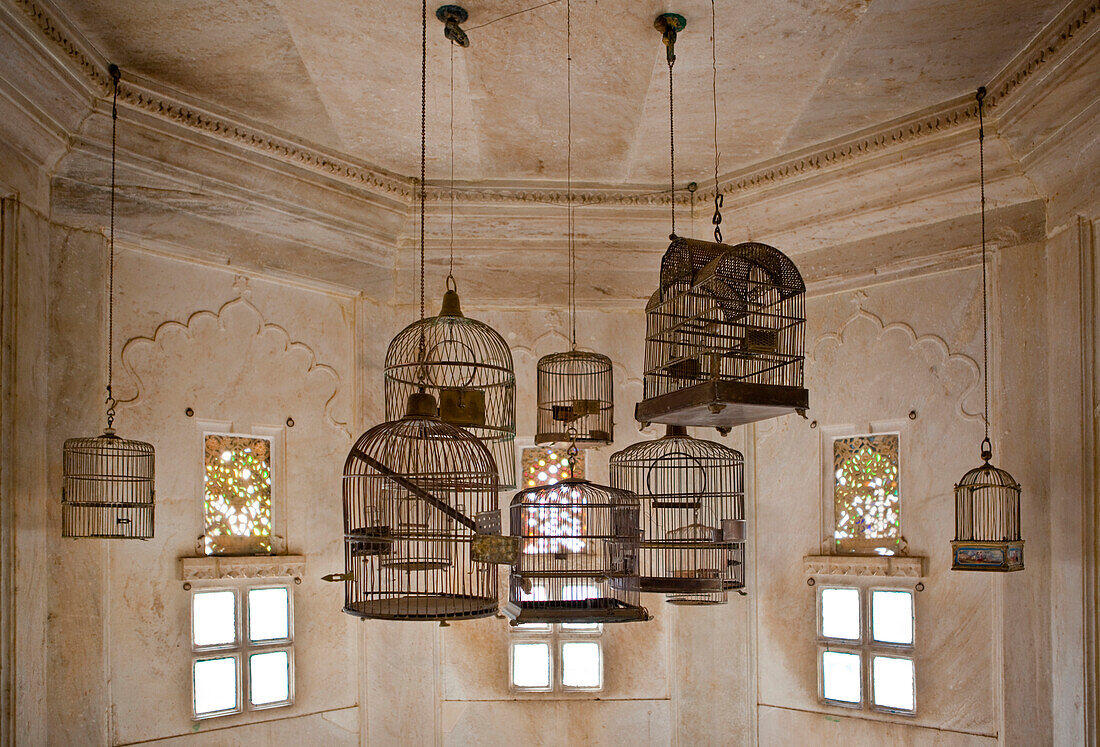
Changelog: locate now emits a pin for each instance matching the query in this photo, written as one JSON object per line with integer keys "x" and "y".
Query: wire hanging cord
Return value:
{"x": 987, "y": 445}
{"x": 421, "y": 374}
{"x": 451, "y": 255}
{"x": 671, "y": 56}
{"x": 116, "y": 75}
{"x": 717, "y": 219}
{"x": 571, "y": 243}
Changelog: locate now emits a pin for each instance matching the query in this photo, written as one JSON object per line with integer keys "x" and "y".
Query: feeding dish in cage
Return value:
{"x": 410, "y": 489}
{"x": 987, "y": 521}
{"x": 691, "y": 493}
{"x": 577, "y": 543}
{"x": 575, "y": 398}
{"x": 467, "y": 366}
{"x": 724, "y": 336}
{"x": 107, "y": 488}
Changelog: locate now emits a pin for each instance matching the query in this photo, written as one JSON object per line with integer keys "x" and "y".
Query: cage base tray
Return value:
{"x": 722, "y": 404}
{"x": 670, "y": 585}
{"x": 601, "y": 610}
{"x": 977, "y": 555}
{"x": 423, "y": 607}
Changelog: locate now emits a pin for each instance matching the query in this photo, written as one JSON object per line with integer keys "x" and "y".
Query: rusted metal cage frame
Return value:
{"x": 996, "y": 494}
{"x": 412, "y": 464}
{"x": 691, "y": 294}
{"x": 609, "y": 555}
{"x": 560, "y": 388}
{"x": 108, "y": 488}
{"x": 632, "y": 469}
{"x": 409, "y": 369}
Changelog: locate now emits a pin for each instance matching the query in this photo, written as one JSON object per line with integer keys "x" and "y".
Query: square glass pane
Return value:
{"x": 580, "y": 664}
{"x": 531, "y": 665}
{"x": 581, "y": 627}
{"x": 269, "y": 677}
{"x": 840, "y": 614}
{"x": 840, "y": 676}
{"x": 892, "y": 616}
{"x": 214, "y": 618}
{"x": 215, "y": 685}
{"x": 894, "y": 682}
{"x": 269, "y": 614}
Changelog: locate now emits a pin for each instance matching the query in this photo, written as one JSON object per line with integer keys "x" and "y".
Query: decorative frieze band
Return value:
{"x": 1045, "y": 48}
{"x": 864, "y": 565}
{"x": 251, "y": 566}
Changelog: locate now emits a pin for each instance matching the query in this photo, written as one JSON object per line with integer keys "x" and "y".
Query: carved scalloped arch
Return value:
{"x": 239, "y": 314}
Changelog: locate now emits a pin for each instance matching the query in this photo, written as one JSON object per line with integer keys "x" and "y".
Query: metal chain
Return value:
{"x": 717, "y": 219}
{"x": 451, "y": 258}
{"x": 423, "y": 137}
{"x": 985, "y": 304}
{"x": 671, "y": 149}
{"x": 115, "y": 76}
{"x": 569, "y": 174}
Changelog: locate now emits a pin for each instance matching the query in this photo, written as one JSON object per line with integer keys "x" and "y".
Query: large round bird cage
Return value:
{"x": 107, "y": 488}
{"x": 578, "y": 545}
{"x": 412, "y": 490}
{"x": 467, "y": 366}
{"x": 987, "y": 521}
{"x": 725, "y": 336}
{"x": 575, "y": 398}
{"x": 692, "y": 515}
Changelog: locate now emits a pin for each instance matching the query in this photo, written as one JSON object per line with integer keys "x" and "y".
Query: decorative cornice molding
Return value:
{"x": 250, "y": 566}
{"x": 897, "y": 566}
{"x": 817, "y": 159}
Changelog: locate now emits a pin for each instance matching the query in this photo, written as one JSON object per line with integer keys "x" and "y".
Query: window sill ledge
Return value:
{"x": 899, "y": 566}
{"x": 249, "y": 566}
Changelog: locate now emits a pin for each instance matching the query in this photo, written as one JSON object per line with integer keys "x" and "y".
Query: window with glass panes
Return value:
{"x": 242, "y": 645}
{"x": 866, "y": 639}
{"x": 559, "y": 656}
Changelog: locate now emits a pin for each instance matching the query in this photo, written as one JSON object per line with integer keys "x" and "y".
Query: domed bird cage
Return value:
{"x": 412, "y": 489}
{"x": 467, "y": 366}
{"x": 578, "y": 545}
{"x": 987, "y": 521}
{"x": 107, "y": 481}
{"x": 692, "y": 515}
{"x": 575, "y": 398}
{"x": 724, "y": 336}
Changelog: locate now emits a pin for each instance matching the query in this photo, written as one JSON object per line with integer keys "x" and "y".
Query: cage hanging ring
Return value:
{"x": 452, "y": 284}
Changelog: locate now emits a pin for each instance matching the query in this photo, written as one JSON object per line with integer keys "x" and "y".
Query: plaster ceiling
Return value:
{"x": 346, "y": 75}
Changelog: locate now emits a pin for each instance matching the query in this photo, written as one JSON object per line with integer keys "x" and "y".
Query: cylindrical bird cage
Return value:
{"x": 987, "y": 521}
{"x": 575, "y": 398}
{"x": 692, "y": 518}
{"x": 107, "y": 488}
{"x": 467, "y": 366}
{"x": 412, "y": 490}
{"x": 578, "y": 552}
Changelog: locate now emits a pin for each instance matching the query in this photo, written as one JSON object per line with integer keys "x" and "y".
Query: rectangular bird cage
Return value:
{"x": 725, "y": 336}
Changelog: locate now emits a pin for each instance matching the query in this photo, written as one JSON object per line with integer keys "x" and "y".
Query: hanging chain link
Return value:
{"x": 111, "y": 403}
{"x": 671, "y": 147}
{"x": 451, "y": 256}
{"x": 571, "y": 243}
{"x": 987, "y": 446}
{"x": 421, "y": 372}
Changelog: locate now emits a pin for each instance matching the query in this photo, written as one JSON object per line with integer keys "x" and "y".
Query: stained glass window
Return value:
{"x": 557, "y": 525}
{"x": 866, "y": 506}
{"x": 237, "y": 500}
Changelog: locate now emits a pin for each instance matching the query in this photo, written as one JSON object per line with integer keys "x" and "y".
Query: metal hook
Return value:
{"x": 452, "y": 16}
{"x": 717, "y": 219}
{"x": 452, "y": 284}
{"x": 670, "y": 24}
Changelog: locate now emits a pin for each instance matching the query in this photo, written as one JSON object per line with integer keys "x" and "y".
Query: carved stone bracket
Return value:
{"x": 251, "y": 566}
{"x": 896, "y": 566}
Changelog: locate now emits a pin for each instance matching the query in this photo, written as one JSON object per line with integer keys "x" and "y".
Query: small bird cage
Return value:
{"x": 107, "y": 488}
{"x": 578, "y": 551}
{"x": 692, "y": 515}
{"x": 412, "y": 488}
{"x": 725, "y": 336}
{"x": 467, "y": 366}
{"x": 575, "y": 398}
{"x": 987, "y": 521}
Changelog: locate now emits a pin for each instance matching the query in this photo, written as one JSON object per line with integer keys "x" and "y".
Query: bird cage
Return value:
{"x": 467, "y": 366}
{"x": 575, "y": 398}
{"x": 692, "y": 515}
{"x": 412, "y": 488}
{"x": 725, "y": 336}
{"x": 578, "y": 545}
{"x": 107, "y": 488}
{"x": 987, "y": 521}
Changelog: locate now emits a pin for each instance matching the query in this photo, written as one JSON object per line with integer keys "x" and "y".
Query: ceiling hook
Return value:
{"x": 452, "y": 16}
{"x": 670, "y": 24}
